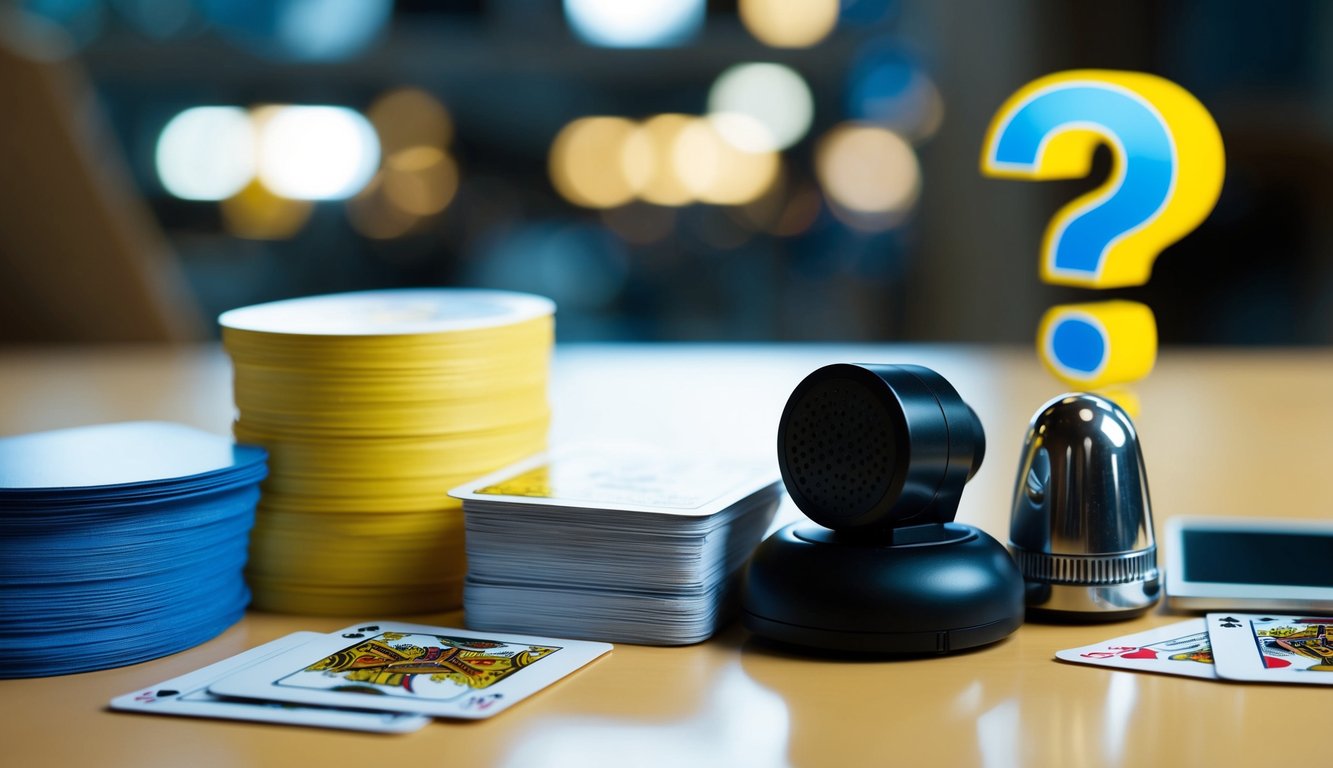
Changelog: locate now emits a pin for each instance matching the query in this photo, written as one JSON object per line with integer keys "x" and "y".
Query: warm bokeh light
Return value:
{"x": 931, "y": 114}
{"x": 648, "y": 160}
{"x": 869, "y": 173}
{"x": 206, "y": 153}
{"x": 774, "y": 95}
{"x": 316, "y": 153}
{"x": 420, "y": 180}
{"x": 790, "y": 207}
{"x": 410, "y": 117}
{"x": 799, "y": 212}
{"x": 586, "y": 164}
{"x": 717, "y": 171}
{"x": 255, "y": 213}
{"x": 418, "y": 177}
{"x": 789, "y": 23}
{"x": 635, "y": 23}
{"x": 372, "y": 214}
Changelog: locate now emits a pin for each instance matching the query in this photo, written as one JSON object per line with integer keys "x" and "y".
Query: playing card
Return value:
{"x": 1175, "y": 649}
{"x": 188, "y": 695}
{"x": 398, "y": 667}
{"x": 120, "y": 461}
{"x": 624, "y": 479}
{"x": 1272, "y": 648}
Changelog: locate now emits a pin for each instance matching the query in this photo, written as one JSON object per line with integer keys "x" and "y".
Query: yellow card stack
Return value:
{"x": 372, "y": 406}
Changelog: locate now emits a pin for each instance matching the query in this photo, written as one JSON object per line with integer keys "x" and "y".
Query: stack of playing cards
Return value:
{"x": 1229, "y": 646}
{"x": 615, "y": 545}
{"x": 109, "y": 534}
{"x": 387, "y": 677}
{"x": 372, "y": 405}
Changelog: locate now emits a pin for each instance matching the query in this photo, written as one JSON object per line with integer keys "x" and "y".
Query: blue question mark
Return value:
{"x": 1168, "y": 165}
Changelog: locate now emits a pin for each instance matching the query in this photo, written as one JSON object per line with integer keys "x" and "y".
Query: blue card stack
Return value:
{"x": 120, "y": 543}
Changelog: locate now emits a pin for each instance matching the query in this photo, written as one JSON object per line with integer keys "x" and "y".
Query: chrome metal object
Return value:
{"x": 1081, "y": 527}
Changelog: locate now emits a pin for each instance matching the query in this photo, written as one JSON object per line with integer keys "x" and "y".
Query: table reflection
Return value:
{"x": 741, "y": 723}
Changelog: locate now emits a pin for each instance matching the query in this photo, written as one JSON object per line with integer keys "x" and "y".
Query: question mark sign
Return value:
{"x": 1168, "y": 166}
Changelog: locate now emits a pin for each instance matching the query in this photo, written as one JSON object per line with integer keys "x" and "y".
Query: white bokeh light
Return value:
{"x": 317, "y": 153}
{"x": 773, "y": 95}
{"x": 635, "y": 23}
{"x": 206, "y": 153}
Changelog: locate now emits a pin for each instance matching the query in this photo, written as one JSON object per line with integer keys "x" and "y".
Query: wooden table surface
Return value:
{"x": 1224, "y": 433}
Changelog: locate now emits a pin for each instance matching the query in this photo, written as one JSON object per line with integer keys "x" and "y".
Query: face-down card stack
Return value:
{"x": 120, "y": 543}
{"x": 620, "y": 546}
{"x": 372, "y": 406}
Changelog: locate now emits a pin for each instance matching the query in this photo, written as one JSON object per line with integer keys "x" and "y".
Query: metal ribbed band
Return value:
{"x": 1087, "y": 569}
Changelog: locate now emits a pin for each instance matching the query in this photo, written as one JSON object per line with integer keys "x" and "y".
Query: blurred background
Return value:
{"x": 664, "y": 169}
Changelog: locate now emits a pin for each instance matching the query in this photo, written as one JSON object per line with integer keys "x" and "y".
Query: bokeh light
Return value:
{"x": 870, "y": 175}
{"x": 410, "y": 117}
{"x": 648, "y": 160}
{"x": 717, "y": 171}
{"x": 635, "y": 23}
{"x": 316, "y": 152}
{"x": 421, "y": 180}
{"x": 206, "y": 153}
{"x": 418, "y": 178}
{"x": 774, "y": 95}
{"x": 587, "y": 166}
{"x": 799, "y": 213}
{"x": 255, "y": 213}
{"x": 889, "y": 87}
{"x": 303, "y": 30}
{"x": 789, "y": 23}
{"x": 372, "y": 213}
{"x": 788, "y": 208}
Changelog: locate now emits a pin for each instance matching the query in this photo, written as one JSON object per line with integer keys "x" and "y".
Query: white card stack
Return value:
{"x": 614, "y": 546}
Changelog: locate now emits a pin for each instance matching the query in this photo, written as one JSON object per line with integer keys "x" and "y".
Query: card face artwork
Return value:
{"x": 188, "y": 695}
{"x": 1273, "y": 648}
{"x": 412, "y": 668}
{"x": 1175, "y": 649}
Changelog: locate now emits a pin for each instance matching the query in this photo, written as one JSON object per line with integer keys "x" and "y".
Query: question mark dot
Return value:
{"x": 1078, "y": 345}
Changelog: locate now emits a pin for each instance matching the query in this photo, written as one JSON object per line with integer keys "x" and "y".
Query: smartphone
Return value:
{"x": 1249, "y": 564}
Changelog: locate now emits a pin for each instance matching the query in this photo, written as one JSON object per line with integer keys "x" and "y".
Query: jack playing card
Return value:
{"x": 188, "y": 695}
{"x": 397, "y": 667}
{"x": 1273, "y": 648}
{"x": 1176, "y": 649}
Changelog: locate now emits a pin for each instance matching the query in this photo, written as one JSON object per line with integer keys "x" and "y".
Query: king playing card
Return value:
{"x": 1273, "y": 648}
{"x": 397, "y": 667}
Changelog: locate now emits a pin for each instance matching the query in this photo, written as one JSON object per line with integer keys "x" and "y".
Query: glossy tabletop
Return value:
{"x": 1224, "y": 433}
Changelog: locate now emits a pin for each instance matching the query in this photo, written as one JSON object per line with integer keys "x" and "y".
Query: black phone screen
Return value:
{"x": 1251, "y": 557}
